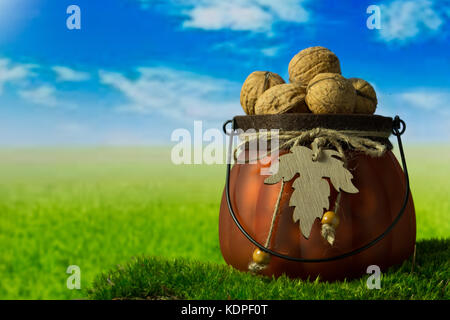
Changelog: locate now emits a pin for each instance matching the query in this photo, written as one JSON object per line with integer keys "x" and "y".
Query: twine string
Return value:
{"x": 328, "y": 232}
{"x": 320, "y": 137}
{"x": 254, "y": 266}
{"x": 275, "y": 210}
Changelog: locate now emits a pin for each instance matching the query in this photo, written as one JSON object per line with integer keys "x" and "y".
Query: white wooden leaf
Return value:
{"x": 284, "y": 172}
{"x": 311, "y": 191}
{"x": 339, "y": 176}
{"x": 309, "y": 199}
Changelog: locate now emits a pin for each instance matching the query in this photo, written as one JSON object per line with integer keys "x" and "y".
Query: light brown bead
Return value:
{"x": 261, "y": 257}
{"x": 330, "y": 218}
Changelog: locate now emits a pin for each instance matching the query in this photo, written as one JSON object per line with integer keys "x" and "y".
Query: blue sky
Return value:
{"x": 138, "y": 69}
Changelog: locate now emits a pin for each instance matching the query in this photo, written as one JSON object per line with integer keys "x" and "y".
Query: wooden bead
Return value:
{"x": 330, "y": 218}
{"x": 261, "y": 257}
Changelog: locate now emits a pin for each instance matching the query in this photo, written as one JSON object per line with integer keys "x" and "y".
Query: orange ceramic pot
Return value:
{"x": 363, "y": 217}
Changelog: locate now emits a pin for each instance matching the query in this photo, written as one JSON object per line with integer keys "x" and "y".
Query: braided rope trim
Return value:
{"x": 320, "y": 137}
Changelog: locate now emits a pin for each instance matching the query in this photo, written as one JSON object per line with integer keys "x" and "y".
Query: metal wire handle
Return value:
{"x": 398, "y": 128}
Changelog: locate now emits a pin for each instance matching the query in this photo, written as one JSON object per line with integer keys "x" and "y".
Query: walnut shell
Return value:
{"x": 282, "y": 98}
{"x": 366, "y": 97}
{"x": 255, "y": 85}
{"x": 330, "y": 93}
{"x": 309, "y": 62}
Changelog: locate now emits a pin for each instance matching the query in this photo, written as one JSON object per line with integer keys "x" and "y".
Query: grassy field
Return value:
{"x": 158, "y": 278}
{"x": 98, "y": 208}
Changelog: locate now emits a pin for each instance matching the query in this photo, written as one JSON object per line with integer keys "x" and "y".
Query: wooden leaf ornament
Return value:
{"x": 311, "y": 190}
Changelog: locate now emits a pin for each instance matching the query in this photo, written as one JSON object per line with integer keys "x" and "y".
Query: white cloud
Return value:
{"x": 226, "y": 15}
{"x": 68, "y": 74}
{"x": 425, "y": 110}
{"x": 241, "y": 15}
{"x": 43, "y": 95}
{"x": 241, "y": 49}
{"x": 176, "y": 94}
{"x": 427, "y": 100}
{"x": 403, "y": 21}
{"x": 271, "y": 51}
{"x": 14, "y": 73}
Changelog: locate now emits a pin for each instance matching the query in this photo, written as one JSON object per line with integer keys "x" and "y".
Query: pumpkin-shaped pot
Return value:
{"x": 363, "y": 215}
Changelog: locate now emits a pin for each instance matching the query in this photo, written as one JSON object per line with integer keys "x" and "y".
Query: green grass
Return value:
{"x": 160, "y": 278}
{"x": 97, "y": 208}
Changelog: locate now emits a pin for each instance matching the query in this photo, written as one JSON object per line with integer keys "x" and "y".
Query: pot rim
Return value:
{"x": 300, "y": 121}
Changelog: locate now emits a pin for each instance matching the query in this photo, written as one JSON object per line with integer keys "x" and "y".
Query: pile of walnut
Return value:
{"x": 316, "y": 85}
